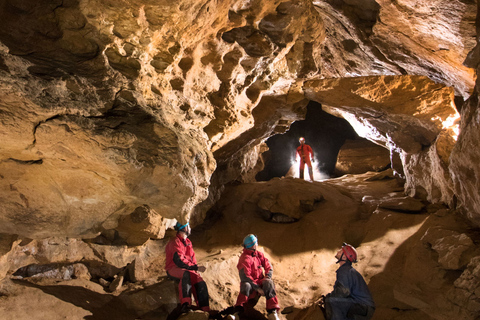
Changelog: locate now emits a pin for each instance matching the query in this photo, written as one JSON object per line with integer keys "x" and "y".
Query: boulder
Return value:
{"x": 450, "y": 246}
{"x": 360, "y": 156}
{"x": 142, "y": 224}
{"x": 281, "y": 203}
{"x": 394, "y": 201}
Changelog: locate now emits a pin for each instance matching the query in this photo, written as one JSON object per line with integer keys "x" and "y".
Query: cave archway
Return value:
{"x": 324, "y": 132}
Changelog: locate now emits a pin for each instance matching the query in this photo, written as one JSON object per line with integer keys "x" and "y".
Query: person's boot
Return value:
{"x": 185, "y": 308}
{"x": 301, "y": 174}
{"x": 310, "y": 172}
{"x": 273, "y": 315}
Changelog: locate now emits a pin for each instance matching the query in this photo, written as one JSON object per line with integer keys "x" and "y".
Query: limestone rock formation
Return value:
{"x": 126, "y": 104}
{"x": 360, "y": 156}
{"x": 111, "y": 106}
{"x": 451, "y": 248}
{"x": 120, "y": 91}
{"x": 373, "y": 37}
{"x": 411, "y": 124}
{"x": 285, "y": 201}
{"x": 141, "y": 225}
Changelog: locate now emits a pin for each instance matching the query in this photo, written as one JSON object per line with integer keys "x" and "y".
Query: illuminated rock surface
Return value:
{"x": 359, "y": 156}
{"x": 120, "y": 117}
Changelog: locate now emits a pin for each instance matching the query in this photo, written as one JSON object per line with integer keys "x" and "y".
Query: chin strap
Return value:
{"x": 340, "y": 260}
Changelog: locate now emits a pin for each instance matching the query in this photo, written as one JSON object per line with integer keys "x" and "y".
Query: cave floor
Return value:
{"x": 403, "y": 272}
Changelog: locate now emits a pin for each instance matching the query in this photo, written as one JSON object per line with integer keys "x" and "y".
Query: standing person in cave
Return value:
{"x": 350, "y": 298}
{"x": 305, "y": 153}
{"x": 181, "y": 264}
{"x": 256, "y": 279}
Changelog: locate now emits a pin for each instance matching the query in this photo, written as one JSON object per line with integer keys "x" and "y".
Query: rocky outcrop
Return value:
{"x": 390, "y": 37}
{"x": 465, "y": 296}
{"x": 418, "y": 124}
{"x": 110, "y": 107}
{"x": 119, "y": 117}
{"x": 464, "y": 167}
{"x": 60, "y": 255}
{"x": 137, "y": 105}
{"x": 141, "y": 225}
{"x": 360, "y": 156}
{"x": 285, "y": 201}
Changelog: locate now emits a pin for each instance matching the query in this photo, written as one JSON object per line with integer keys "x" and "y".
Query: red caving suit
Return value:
{"x": 305, "y": 153}
{"x": 251, "y": 265}
{"x": 182, "y": 265}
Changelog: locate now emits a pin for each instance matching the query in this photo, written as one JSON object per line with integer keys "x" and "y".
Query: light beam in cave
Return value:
{"x": 318, "y": 174}
{"x": 325, "y": 133}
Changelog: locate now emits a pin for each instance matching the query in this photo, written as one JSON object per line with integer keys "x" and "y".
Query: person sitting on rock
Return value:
{"x": 256, "y": 278}
{"x": 181, "y": 264}
{"x": 350, "y": 298}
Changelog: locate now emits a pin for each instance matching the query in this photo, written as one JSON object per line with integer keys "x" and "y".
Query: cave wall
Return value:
{"x": 464, "y": 160}
{"x": 111, "y": 105}
{"x": 405, "y": 114}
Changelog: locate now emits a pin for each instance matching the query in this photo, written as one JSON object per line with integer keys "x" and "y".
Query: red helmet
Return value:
{"x": 349, "y": 252}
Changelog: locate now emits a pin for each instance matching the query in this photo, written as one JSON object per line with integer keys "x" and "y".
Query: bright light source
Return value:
{"x": 318, "y": 175}
{"x": 450, "y": 124}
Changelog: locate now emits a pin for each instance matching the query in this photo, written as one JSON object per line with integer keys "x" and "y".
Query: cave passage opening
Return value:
{"x": 324, "y": 132}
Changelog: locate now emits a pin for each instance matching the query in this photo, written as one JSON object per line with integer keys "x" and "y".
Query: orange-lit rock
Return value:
{"x": 360, "y": 156}
{"x": 107, "y": 106}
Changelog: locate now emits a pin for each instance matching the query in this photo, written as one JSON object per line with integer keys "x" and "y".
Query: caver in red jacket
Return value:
{"x": 182, "y": 265}
{"x": 256, "y": 272}
{"x": 305, "y": 153}
{"x": 179, "y": 253}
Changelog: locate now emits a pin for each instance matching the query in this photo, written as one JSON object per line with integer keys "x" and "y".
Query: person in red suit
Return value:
{"x": 305, "y": 153}
{"x": 256, "y": 278}
{"x": 181, "y": 264}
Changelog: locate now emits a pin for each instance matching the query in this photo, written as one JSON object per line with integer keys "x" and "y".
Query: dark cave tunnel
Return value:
{"x": 323, "y": 132}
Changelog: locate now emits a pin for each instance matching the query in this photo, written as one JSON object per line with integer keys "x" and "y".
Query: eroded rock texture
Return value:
{"x": 353, "y": 153}
{"x": 109, "y": 107}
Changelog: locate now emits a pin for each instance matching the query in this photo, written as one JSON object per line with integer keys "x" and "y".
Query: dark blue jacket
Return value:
{"x": 350, "y": 284}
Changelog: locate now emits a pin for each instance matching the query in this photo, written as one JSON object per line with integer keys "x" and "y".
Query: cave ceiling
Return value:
{"x": 107, "y": 105}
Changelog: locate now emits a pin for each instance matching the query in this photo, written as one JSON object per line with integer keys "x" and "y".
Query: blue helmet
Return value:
{"x": 249, "y": 241}
{"x": 180, "y": 226}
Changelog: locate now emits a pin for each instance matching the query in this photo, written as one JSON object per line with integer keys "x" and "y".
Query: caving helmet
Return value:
{"x": 302, "y": 139}
{"x": 180, "y": 227}
{"x": 249, "y": 241}
{"x": 349, "y": 252}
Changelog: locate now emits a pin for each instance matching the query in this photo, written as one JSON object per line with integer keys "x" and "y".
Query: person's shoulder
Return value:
{"x": 171, "y": 242}
{"x": 353, "y": 270}
{"x": 244, "y": 258}
{"x": 176, "y": 241}
{"x": 346, "y": 267}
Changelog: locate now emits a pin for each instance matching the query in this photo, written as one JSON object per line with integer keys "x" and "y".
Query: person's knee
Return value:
{"x": 360, "y": 312}
{"x": 186, "y": 277}
{"x": 269, "y": 288}
{"x": 267, "y": 284}
{"x": 245, "y": 288}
